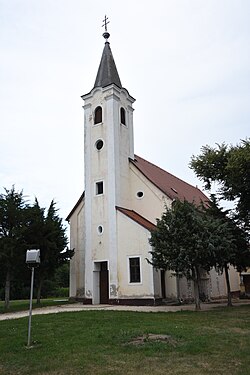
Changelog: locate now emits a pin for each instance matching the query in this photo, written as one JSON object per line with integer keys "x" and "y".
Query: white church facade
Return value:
{"x": 124, "y": 194}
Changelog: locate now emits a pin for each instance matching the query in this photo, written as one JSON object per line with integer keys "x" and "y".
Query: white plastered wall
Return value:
{"x": 77, "y": 263}
{"x": 133, "y": 242}
{"x": 218, "y": 287}
{"x": 110, "y": 165}
{"x": 153, "y": 202}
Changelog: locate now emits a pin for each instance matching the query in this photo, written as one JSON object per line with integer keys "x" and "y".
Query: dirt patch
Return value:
{"x": 151, "y": 337}
{"x": 239, "y": 330}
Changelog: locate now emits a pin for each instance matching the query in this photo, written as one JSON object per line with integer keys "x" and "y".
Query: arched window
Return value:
{"x": 123, "y": 116}
{"x": 98, "y": 115}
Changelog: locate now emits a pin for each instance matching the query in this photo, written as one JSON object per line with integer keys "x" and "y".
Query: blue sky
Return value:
{"x": 187, "y": 63}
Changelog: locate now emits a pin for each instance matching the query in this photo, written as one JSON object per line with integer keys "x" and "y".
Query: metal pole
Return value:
{"x": 31, "y": 297}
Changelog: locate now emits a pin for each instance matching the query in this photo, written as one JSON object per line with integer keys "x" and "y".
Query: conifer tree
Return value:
{"x": 12, "y": 242}
{"x": 46, "y": 232}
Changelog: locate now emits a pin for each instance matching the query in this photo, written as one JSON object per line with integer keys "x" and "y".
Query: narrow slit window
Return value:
{"x": 123, "y": 116}
{"x": 98, "y": 115}
{"x": 99, "y": 188}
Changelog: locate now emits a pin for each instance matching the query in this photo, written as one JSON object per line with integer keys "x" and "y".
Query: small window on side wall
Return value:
{"x": 99, "y": 188}
{"x": 98, "y": 115}
{"x": 100, "y": 229}
{"x": 123, "y": 116}
{"x": 134, "y": 270}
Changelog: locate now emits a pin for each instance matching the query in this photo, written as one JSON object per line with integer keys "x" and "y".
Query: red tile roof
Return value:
{"x": 136, "y": 217}
{"x": 172, "y": 186}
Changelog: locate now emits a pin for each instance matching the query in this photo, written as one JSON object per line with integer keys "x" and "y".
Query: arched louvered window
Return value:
{"x": 98, "y": 115}
{"x": 123, "y": 116}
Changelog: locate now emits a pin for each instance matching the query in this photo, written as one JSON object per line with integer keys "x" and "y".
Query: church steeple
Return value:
{"x": 108, "y": 146}
{"x": 107, "y": 73}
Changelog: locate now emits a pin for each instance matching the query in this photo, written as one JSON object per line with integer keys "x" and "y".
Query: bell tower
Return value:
{"x": 108, "y": 145}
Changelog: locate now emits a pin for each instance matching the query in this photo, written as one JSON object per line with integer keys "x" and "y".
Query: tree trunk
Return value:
{"x": 196, "y": 289}
{"x": 39, "y": 288}
{"x": 7, "y": 291}
{"x": 229, "y": 297}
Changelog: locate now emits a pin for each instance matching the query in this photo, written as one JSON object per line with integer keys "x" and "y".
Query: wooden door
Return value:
{"x": 163, "y": 284}
{"x": 104, "y": 283}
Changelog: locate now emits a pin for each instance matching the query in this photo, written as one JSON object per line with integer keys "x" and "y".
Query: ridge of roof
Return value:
{"x": 171, "y": 185}
{"x": 171, "y": 174}
{"x": 137, "y": 218}
{"x": 107, "y": 71}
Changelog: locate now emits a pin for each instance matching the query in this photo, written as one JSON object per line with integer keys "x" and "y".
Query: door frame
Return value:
{"x": 100, "y": 282}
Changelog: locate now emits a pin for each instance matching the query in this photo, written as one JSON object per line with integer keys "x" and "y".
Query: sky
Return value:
{"x": 186, "y": 62}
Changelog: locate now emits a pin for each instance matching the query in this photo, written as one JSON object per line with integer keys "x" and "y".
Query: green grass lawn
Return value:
{"x": 101, "y": 342}
{"x": 21, "y": 305}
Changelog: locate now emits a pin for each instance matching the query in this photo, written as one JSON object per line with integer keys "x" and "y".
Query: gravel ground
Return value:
{"x": 81, "y": 307}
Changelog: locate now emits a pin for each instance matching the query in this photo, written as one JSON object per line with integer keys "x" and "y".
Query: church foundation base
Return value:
{"x": 121, "y": 301}
{"x": 135, "y": 301}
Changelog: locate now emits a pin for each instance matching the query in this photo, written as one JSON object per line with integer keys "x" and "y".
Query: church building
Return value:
{"x": 124, "y": 194}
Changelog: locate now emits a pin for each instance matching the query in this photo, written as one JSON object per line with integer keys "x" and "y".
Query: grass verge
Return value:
{"x": 22, "y": 305}
{"x": 105, "y": 342}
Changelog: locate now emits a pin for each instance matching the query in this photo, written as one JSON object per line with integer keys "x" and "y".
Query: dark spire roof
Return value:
{"x": 107, "y": 72}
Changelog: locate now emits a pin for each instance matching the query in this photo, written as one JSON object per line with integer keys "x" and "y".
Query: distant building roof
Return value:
{"x": 172, "y": 186}
{"x": 137, "y": 217}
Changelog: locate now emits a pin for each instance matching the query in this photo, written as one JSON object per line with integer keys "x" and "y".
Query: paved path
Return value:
{"x": 81, "y": 307}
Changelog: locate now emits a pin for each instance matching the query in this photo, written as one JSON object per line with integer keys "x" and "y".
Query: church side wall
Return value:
{"x": 77, "y": 275}
{"x": 218, "y": 287}
{"x": 234, "y": 277}
{"x": 157, "y": 283}
{"x": 133, "y": 242}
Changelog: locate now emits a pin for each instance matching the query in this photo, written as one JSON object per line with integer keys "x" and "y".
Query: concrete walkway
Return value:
{"x": 81, "y": 307}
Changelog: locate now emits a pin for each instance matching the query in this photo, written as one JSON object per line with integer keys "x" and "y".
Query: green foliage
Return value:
{"x": 229, "y": 166}
{"x": 46, "y": 232}
{"x": 62, "y": 275}
{"x": 188, "y": 239}
{"x": 22, "y": 227}
{"x": 12, "y": 241}
{"x": 185, "y": 239}
{"x": 236, "y": 250}
{"x": 61, "y": 292}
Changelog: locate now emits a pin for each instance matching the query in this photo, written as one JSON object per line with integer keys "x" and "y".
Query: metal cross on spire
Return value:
{"x": 106, "y": 34}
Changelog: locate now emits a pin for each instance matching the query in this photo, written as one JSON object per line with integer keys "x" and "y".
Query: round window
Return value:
{"x": 139, "y": 194}
{"x": 99, "y": 144}
{"x": 100, "y": 229}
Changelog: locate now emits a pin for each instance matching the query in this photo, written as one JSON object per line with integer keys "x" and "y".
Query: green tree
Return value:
{"x": 187, "y": 241}
{"x": 62, "y": 275}
{"x": 46, "y": 232}
{"x": 229, "y": 167}
{"x": 12, "y": 243}
{"x": 236, "y": 252}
